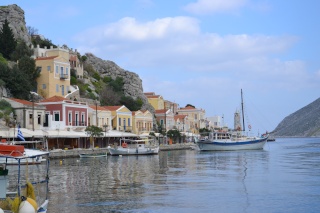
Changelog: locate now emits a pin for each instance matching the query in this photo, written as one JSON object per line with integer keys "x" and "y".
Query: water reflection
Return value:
{"x": 191, "y": 181}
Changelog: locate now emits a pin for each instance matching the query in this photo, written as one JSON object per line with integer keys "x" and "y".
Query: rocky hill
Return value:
{"x": 132, "y": 83}
{"x": 303, "y": 123}
{"x": 15, "y": 16}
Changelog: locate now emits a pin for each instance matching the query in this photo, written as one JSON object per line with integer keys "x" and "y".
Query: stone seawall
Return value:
{"x": 74, "y": 153}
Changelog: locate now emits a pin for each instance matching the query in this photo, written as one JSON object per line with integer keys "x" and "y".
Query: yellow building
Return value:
{"x": 195, "y": 117}
{"x": 142, "y": 122}
{"x": 121, "y": 118}
{"x": 54, "y": 77}
{"x": 99, "y": 116}
{"x": 156, "y": 101}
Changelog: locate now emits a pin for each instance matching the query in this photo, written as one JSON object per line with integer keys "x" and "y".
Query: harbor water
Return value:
{"x": 284, "y": 177}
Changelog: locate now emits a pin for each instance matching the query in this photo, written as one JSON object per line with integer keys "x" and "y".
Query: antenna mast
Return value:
{"x": 242, "y": 111}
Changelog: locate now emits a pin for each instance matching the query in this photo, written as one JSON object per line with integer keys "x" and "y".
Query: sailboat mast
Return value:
{"x": 242, "y": 112}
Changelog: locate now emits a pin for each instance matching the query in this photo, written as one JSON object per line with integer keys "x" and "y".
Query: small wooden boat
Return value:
{"x": 93, "y": 155}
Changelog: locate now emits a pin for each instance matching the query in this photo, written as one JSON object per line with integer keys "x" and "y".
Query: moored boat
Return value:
{"x": 218, "y": 141}
{"x": 17, "y": 185}
{"x": 229, "y": 141}
{"x": 134, "y": 147}
{"x": 92, "y": 155}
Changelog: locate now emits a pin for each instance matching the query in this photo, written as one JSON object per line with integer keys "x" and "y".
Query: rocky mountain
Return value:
{"x": 132, "y": 82}
{"x": 303, "y": 123}
{"x": 15, "y": 16}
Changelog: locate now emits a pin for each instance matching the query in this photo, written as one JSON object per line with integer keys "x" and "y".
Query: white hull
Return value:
{"x": 229, "y": 145}
{"x": 24, "y": 161}
{"x": 133, "y": 151}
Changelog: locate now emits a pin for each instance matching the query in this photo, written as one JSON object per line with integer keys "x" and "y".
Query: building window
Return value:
{"x": 119, "y": 121}
{"x": 30, "y": 118}
{"x": 57, "y": 69}
{"x": 48, "y": 68}
{"x": 39, "y": 118}
{"x": 44, "y": 86}
{"x": 70, "y": 118}
{"x": 67, "y": 71}
{"x": 56, "y": 116}
{"x": 61, "y": 71}
{"x": 129, "y": 122}
{"x": 82, "y": 119}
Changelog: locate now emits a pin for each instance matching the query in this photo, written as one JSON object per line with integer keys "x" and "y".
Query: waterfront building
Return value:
{"x": 62, "y": 113}
{"x": 215, "y": 122}
{"x": 27, "y": 114}
{"x": 99, "y": 116}
{"x": 121, "y": 118}
{"x": 182, "y": 123}
{"x": 165, "y": 119}
{"x": 171, "y": 105}
{"x": 156, "y": 101}
{"x": 195, "y": 117}
{"x": 142, "y": 122}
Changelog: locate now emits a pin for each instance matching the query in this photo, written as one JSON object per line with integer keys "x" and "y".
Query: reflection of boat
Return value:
{"x": 17, "y": 181}
{"x": 228, "y": 141}
{"x": 18, "y": 150}
{"x": 92, "y": 155}
{"x": 225, "y": 141}
{"x": 134, "y": 147}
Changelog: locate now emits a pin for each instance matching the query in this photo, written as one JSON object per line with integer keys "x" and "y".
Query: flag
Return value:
{"x": 20, "y": 136}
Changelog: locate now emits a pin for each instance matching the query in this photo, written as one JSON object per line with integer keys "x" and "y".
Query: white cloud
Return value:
{"x": 214, "y": 6}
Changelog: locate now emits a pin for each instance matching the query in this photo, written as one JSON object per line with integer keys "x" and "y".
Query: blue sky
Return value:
{"x": 199, "y": 52}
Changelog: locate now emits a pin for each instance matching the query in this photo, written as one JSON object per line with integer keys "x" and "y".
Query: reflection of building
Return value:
{"x": 237, "y": 121}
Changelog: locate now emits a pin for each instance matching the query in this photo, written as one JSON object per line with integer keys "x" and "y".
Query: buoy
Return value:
{"x": 60, "y": 162}
{"x": 27, "y": 205}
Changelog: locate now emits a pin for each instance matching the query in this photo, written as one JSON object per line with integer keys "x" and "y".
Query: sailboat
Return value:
{"x": 230, "y": 141}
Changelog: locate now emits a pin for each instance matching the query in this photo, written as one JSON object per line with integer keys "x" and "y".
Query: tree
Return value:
{"x": 190, "y": 105}
{"x": 32, "y": 31}
{"x": 21, "y": 50}
{"x": 173, "y": 134}
{"x": 7, "y": 41}
{"x": 109, "y": 97}
{"x": 94, "y": 132}
{"x": 28, "y": 66}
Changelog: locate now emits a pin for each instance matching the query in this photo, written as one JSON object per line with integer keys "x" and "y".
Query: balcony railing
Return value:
{"x": 64, "y": 76}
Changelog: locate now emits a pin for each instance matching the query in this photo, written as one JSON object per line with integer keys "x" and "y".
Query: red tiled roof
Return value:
{"x": 112, "y": 108}
{"x": 55, "y": 99}
{"x": 46, "y": 58}
{"x": 161, "y": 110}
{"x": 98, "y": 107}
{"x": 24, "y": 102}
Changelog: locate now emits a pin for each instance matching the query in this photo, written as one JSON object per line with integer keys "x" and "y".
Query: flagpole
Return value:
{"x": 14, "y": 127}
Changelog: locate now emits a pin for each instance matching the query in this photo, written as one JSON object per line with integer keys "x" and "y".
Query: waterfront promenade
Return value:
{"x": 72, "y": 153}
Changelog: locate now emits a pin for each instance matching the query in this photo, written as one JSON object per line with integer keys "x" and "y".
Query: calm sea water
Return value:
{"x": 284, "y": 177}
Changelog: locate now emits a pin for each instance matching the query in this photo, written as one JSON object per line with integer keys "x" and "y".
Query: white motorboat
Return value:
{"x": 134, "y": 147}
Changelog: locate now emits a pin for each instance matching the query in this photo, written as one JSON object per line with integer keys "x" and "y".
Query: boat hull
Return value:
{"x": 83, "y": 155}
{"x": 228, "y": 145}
{"x": 133, "y": 151}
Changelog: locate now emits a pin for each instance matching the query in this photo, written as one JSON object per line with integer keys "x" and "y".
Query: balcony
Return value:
{"x": 64, "y": 76}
